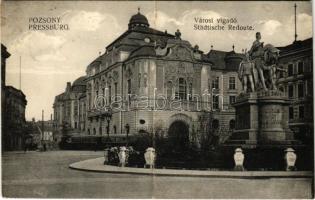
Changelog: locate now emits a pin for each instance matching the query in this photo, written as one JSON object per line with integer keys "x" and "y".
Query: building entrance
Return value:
{"x": 178, "y": 135}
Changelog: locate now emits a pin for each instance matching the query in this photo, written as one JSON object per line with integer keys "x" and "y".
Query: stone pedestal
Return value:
{"x": 261, "y": 119}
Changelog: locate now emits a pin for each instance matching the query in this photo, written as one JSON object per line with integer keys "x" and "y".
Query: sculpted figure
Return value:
{"x": 178, "y": 34}
{"x": 245, "y": 73}
{"x": 271, "y": 55}
{"x": 257, "y": 54}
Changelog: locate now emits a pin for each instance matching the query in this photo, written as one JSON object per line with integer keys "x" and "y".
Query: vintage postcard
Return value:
{"x": 157, "y": 99}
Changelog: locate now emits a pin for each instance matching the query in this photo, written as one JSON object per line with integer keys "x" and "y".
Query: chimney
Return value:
{"x": 68, "y": 86}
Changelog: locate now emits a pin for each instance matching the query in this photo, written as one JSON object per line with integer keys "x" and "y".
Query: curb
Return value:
{"x": 96, "y": 165}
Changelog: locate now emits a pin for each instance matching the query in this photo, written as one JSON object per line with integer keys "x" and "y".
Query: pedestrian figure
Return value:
{"x": 27, "y": 144}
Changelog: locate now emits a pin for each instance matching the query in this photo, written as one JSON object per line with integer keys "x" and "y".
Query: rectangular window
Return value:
{"x": 300, "y": 67}
{"x": 129, "y": 90}
{"x": 301, "y": 112}
{"x": 215, "y": 83}
{"x": 290, "y": 91}
{"x": 75, "y": 109}
{"x": 129, "y": 86}
{"x": 310, "y": 87}
{"x": 291, "y": 113}
{"x": 110, "y": 94}
{"x": 103, "y": 98}
{"x": 182, "y": 88}
{"x": 232, "y": 83}
{"x": 190, "y": 91}
{"x": 301, "y": 90}
{"x": 290, "y": 70}
{"x": 232, "y": 99}
{"x": 96, "y": 97}
{"x": 115, "y": 90}
{"x": 139, "y": 80}
{"x": 215, "y": 103}
{"x": 169, "y": 90}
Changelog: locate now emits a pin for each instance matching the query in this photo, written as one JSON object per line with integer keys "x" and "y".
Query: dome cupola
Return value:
{"x": 138, "y": 20}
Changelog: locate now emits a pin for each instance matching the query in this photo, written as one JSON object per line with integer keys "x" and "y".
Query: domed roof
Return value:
{"x": 138, "y": 20}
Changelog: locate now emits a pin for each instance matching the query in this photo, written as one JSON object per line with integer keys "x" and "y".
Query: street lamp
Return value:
{"x": 127, "y": 127}
{"x": 107, "y": 128}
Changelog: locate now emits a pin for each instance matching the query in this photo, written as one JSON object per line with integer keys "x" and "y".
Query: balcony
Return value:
{"x": 103, "y": 113}
{"x": 166, "y": 104}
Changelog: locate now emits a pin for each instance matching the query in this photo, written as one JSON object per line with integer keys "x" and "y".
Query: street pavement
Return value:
{"x": 46, "y": 174}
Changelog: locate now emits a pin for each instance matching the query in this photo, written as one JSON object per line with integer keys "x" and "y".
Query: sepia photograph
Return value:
{"x": 157, "y": 99}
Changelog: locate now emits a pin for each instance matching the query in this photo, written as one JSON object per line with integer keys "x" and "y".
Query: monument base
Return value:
{"x": 262, "y": 131}
{"x": 262, "y": 119}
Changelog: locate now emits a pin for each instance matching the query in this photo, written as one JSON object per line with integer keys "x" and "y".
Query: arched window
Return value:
{"x": 94, "y": 131}
{"x": 169, "y": 89}
{"x": 215, "y": 124}
{"x": 115, "y": 129}
{"x": 145, "y": 80}
{"x": 181, "y": 92}
{"x": 232, "y": 124}
{"x": 100, "y": 130}
{"x": 89, "y": 133}
{"x": 190, "y": 91}
{"x": 139, "y": 80}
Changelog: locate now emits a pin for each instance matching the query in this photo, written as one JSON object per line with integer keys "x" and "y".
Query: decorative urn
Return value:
{"x": 239, "y": 159}
{"x": 290, "y": 158}
{"x": 149, "y": 157}
{"x": 122, "y": 156}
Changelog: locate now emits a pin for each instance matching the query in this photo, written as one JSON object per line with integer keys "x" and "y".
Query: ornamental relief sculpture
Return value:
{"x": 109, "y": 78}
{"x": 88, "y": 86}
{"x": 180, "y": 52}
{"x": 128, "y": 71}
{"x": 103, "y": 81}
{"x": 96, "y": 85}
{"x": 115, "y": 75}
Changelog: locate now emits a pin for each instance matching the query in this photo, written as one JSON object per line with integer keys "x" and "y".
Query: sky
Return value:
{"x": 49, "y": 59}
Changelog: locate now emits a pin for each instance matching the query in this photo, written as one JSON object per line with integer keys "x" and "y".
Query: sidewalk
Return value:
{"x": 96, "y": 165}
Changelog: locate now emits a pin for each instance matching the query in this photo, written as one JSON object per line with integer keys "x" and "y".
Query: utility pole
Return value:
{"x": 20, "y": 73}
{"x": 295, "y": 32}
{"x": 42, "y": 125}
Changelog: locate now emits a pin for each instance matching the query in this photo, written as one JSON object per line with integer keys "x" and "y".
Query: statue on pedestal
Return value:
{"x": 265, "y": 60}
{"x": 256, "y": 54}
{"x": 245, "y": 73}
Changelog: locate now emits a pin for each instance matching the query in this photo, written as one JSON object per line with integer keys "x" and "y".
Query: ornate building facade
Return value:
{"x": 149, "y": 81}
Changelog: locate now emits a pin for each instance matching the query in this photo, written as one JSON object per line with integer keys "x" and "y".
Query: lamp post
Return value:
{"x": 127, "y": 127}
{"x": 107, "y": 128}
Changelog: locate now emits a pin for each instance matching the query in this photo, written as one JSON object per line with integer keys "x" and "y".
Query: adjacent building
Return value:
{"x": 69, "y": 114}
{"x": 224, "y": 85}
{"x": 13, "y": 102}
{"x": 297, "y": 83}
